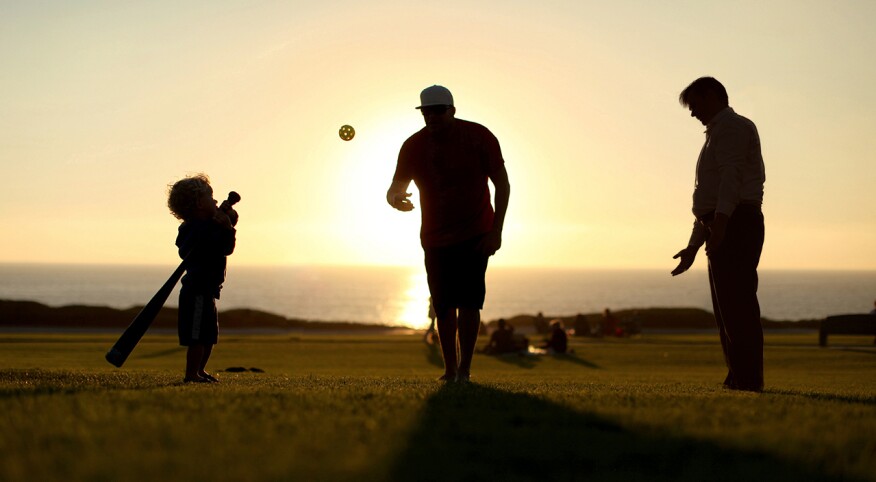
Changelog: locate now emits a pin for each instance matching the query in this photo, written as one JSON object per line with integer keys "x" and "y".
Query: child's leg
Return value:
{"x": 208, "y": 349}
{"x": 194, "y": 356}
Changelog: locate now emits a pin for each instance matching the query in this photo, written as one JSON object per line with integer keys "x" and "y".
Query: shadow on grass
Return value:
{"x": 571, "y": 358}
{"x": 474, "y": 432}
{"x": 868, "y": 351}
{"x": 519, "y": 359}
{"x": 433, "y": 355}
{"x": 825, "y": 397}
{"x": 531, "y": 361}
{"x": 37, "y": 382}
{"x": 162, "y": 353}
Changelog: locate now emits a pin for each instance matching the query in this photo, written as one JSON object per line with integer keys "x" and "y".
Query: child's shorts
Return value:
{"x": 198, "y": 320}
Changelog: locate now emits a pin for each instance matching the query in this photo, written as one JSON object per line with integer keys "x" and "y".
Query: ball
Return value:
{"x": 347, "y": 132}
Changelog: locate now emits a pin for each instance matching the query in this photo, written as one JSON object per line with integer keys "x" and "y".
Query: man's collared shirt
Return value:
{"x": 730, "y": 169}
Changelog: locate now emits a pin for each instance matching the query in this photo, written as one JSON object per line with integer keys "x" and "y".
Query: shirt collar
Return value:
{"x": 721, "y": 115}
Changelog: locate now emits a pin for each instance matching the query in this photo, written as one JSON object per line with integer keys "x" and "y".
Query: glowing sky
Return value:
{"x": 103, "y": 104}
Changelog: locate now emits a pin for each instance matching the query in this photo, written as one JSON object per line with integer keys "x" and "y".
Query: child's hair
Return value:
{"x": 182, "y": 198}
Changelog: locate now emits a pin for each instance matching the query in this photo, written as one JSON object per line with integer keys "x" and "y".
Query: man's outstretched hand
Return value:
{"x": 687, "y": 255}
{"x": 400, "y": 201}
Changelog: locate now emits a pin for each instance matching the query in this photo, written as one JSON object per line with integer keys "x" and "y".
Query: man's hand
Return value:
{"x": 490, "y": 243}
{"x": 400, "y": 201}
{"x": 687, "y": 255}
{"x": 717, "y": 229}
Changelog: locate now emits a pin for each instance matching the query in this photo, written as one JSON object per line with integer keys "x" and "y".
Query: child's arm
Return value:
{"x": 226, "y": 235}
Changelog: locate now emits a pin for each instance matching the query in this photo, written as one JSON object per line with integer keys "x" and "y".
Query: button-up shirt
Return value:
{"x": 730, "y": 169}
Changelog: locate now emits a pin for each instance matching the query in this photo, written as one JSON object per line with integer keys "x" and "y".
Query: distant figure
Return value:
{"x": 727, "y": 206}
{"x": 502, "y": 340}
{"x": 430, "y": 332}
{"x": 873, "y": 312}
{"x": 207, "y": 232}
{"x": 610, "y": 324}
{"x": 450, "y": 160}
{"x": 582, "y": 326}
{"x": 559, "y": 340}
{"x": 541, "y": 325}
{"x": 632, "y": 325}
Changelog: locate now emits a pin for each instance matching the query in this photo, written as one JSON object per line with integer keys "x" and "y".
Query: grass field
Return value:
{"x": 369, "y": 408}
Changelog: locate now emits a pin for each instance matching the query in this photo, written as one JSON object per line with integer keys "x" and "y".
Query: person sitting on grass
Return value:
{"x": 504, "y": 340}
{"x": 559, "y": 340}
{"x": 206, "y": 237}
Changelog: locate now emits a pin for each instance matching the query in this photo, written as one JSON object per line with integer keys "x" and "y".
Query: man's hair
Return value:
{"x": 182, "y": 198}
{"x": 699, "y": 87}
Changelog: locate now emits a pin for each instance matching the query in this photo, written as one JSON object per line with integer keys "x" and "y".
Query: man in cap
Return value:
{"x": 450, "y": 161}
{"x": 727, "y": 205}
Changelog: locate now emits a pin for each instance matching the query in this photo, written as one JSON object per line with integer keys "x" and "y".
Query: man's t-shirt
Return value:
{"x": 451, "y": 172}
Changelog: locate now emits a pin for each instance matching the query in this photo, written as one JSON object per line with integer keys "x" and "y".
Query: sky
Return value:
{"x": 103, "y": 104}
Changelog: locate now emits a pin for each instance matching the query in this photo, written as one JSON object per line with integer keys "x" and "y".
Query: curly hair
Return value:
{"x": 182, "y": 198}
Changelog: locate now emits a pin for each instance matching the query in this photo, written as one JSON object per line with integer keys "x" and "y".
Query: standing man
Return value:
{"x": 450, "y": 161}
{"x": 727, "y": 205}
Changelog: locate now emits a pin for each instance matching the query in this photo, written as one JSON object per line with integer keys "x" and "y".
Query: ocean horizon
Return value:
{"x": 399, "y": 295}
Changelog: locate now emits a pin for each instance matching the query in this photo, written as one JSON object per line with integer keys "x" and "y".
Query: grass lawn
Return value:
{"x": 369, "y": 408}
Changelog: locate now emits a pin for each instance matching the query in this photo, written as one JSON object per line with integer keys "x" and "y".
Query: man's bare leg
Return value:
{"x": 447, "y": 328}
{"x": 469, "y": 325}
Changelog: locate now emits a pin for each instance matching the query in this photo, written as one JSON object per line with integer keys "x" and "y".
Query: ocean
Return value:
{"x": 399, "y": 295}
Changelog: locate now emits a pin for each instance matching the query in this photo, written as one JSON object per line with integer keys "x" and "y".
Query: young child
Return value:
{"x": 205, "y": 238}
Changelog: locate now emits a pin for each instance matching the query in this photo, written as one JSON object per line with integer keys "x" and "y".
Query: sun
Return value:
{"x": 378, "y": 234}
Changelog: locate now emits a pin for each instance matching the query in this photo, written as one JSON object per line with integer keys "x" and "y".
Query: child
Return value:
{"x": 206, "y": 237}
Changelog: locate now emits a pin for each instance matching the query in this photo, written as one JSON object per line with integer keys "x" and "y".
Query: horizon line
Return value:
{"x": 416, "y": 266}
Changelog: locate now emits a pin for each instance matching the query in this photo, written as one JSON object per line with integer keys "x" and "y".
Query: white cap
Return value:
{"x": 435, "y": 95}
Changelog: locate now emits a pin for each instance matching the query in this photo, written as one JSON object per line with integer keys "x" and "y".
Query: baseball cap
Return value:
{"x": 435, "y": 95}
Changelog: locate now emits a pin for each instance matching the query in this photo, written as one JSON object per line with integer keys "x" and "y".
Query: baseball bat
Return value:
{"x": 135, "y": 331}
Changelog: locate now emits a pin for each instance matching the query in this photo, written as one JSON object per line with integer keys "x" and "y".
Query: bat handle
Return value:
{"x": 233, "y": 198}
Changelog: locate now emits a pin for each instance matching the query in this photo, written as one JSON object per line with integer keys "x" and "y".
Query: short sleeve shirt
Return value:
{"x": 451, "y": 172}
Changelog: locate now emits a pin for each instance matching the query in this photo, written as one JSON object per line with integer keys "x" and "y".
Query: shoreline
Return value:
{"x": 18, "y": 316}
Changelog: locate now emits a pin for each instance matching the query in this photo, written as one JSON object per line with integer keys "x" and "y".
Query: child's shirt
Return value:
{"x": 209, "y": 244}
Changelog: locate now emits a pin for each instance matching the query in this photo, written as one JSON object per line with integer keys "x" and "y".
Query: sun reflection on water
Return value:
{"x": 414, "y": 308}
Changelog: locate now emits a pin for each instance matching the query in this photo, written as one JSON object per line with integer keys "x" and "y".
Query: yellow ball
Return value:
{"x": 347, "y": 132}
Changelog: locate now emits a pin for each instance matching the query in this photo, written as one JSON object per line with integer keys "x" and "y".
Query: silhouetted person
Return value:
{"x": 559, "y": 340}
{"x": 502, "y": 340}
{"x": 450, "y": 160}
{"x": 541, "y": 325}
{"x": 430, "y": 332}
{"x": 727, "y": 206}
{"x": 582, "y": 326}
{"x": 873, "y": 312}
{"x": 207, "y": 232}
{"x": 610, "y": 324}
{"x": 632, "y": 326}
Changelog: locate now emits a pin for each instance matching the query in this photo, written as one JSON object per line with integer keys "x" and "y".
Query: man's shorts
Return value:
{"x": 456, "y": 275}
{"x": 198, "y": 320}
